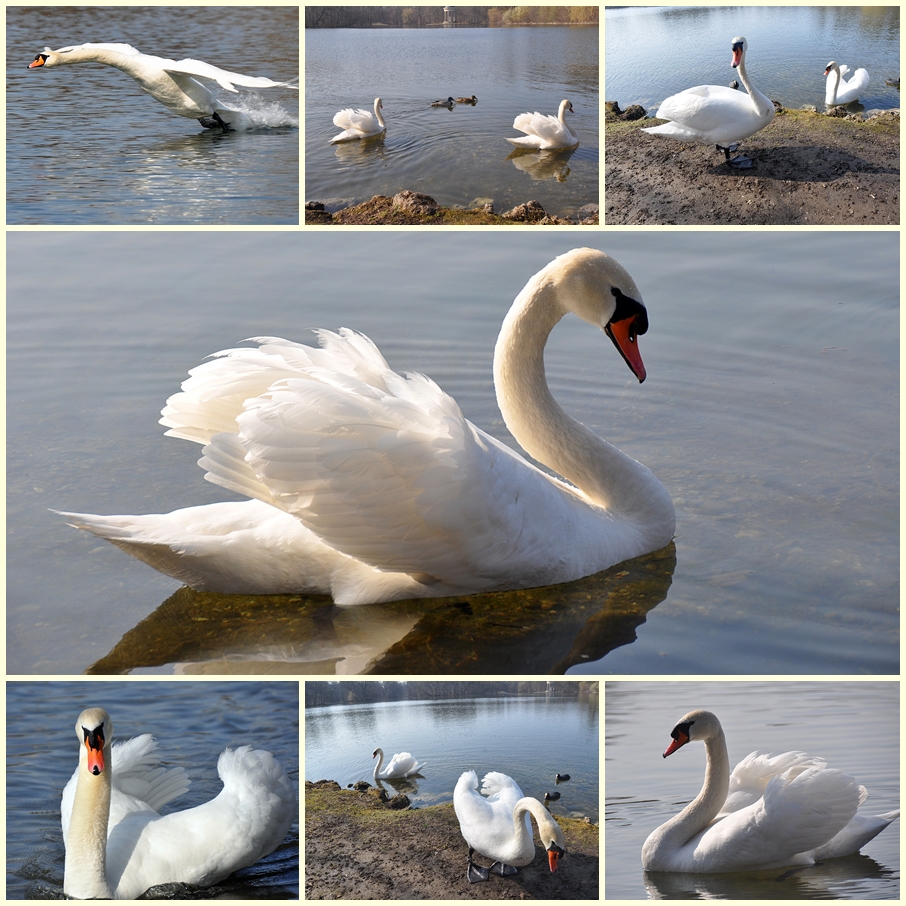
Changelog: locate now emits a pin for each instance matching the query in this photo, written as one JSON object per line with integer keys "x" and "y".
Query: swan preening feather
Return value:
{"x": 496, "y": 824}
{"x": 372, "y": 486}
{"x": 851, "y": 88}
{"x": 716, "y": 114}
{"x": 177, "y": 84}
{"x": 401, "y": 765}
{"x": 359, "y": 124}
{"x": 545, "y": 133}
{"x": 772, "y": 811}
{"x": 118, "y": 846}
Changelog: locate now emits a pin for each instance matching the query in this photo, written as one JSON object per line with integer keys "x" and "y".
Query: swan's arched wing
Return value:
{"x": 547, "y": 128}
{"x": 224, "y": 78}
{"x": 752, "y": 775}
{"x": 360, "y": 120}
{"x": 797, "y": 814}
{"x": 382, "y": 467}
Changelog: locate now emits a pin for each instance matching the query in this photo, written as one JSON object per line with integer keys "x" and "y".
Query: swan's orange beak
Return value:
{"x": 94, "y": 745}
{"x": 678, "y": 742}
{"x": 39, "y": 60}
{"x": 737, "y": 55}
{"x": 553, "y": 856}
{"x": 826, "y": 71}
{"x": 624, "y": 336}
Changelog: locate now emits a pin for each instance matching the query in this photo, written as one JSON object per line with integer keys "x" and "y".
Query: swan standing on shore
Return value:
{"x": 357, "y": 124}
{"x": 371, "y": 486}
{"x": 497, "y": 825}
{"x": 401, "y": 765}
{"x": 772, "y": 811}
{"x": 716, "y": 114}
{"x": 852, "y": 88}
{"x": 117, "y": 845}
{"x": 175, "y": 84}
{"x": 546, "y": 133}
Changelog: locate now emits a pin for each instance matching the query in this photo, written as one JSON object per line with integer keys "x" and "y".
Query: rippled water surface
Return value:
{"x": 86, "y": 145}
{"x": 458, "y": 156}
{"x": 193, "y": 723}
{"x": 770, "y": 413}
{"x": 853, "y": 726}
{"x": 652, "y": 53}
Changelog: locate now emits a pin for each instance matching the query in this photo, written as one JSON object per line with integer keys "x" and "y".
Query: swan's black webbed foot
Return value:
{"x": 475, "y": 872}
{"x": 225, "y": 126}
{"x": 214, "y": 121}
{"x": 740, "y": 161}
{"x": 503, "y": 870}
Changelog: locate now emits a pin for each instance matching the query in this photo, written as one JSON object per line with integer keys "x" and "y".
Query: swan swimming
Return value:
{"x": 851, "y": 88}
{"x": 401, "y": 765}
{"x": 117, "y": 845}
{"x": 546, "y": 133}
{"x": 175, "y": 84}
{"x": 716, "y": 114}
{"x": 358, "y": 124}
{"x": 772, "y": 811}
{"x": 372, "y": 486}
{"x": 496, "y": 824}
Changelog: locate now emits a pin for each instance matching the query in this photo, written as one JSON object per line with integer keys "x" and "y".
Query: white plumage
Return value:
{"x": 773, "y": 811}
{"x": 846, "y": 91}
{"x": 401, "y": 765}
{"x": 545, "y": 132}
{"x": 358, "y": 124}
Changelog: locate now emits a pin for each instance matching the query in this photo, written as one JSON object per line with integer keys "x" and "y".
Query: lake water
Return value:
{"x": 652, "y": 53}
{"x": 854, "y": 726}
{"x": 85, "y": 144}
{"x": 458, "y": 156}
{"x": 770, "y": 412}
{"x": 193, "y": 723}
{"x": 531, "y": 739}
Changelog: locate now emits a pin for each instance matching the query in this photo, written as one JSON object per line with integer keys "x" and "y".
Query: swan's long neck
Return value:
{"x": 831, "y": 95}
{"x": 85, "y": 872}
{"x": 380, "y": 119}
{"x": 379, "y": 765}
{"x": 606, "y": 476}
{"x": 761, "y": 101}
{"x": 701, "y": 811}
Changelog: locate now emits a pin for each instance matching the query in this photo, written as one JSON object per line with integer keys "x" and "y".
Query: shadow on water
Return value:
{"x": 539, "y": 630}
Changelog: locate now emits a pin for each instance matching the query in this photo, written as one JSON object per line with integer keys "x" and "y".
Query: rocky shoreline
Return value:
{"x": 415, "y": 208}
{"x": 810, "y": 169}
{"x": 362, "y": 844}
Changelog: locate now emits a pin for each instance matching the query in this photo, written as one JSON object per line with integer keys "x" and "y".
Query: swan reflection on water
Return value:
{"x": 541, "y": 630}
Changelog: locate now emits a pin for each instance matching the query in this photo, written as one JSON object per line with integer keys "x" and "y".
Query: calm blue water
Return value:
{"x": 193, "y": 722}
{"x": 770, "y": 413}
{"x": 531, "y": 739}
{"x": 652, "y": 53}
{"x": 85, "y": 144}
{"x": 854, "y": 726}
{"x": 458, "y": 156}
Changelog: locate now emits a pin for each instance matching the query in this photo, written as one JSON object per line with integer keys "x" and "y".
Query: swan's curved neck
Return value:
{"x": 701, "y": 811}
{"x": 536, "y": 810}
{"x": 761, "y": 100}
{"x": 380, "y": 119}
{"x": 85, "y": 871}
{"x": 379, "y": 765}
{"x": 835, "y": 74}
{"x": 606, "y": 476}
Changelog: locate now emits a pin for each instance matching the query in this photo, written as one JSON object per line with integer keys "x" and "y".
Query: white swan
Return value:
{"x": 773, "y": 811}
{"x": 174, "y": 83}
{"x": 117, "y": 845}
{"x": 496, "y": 824}
{"x": 401, "y": 765}
{"x": 545, "y": 132}
{"x": 372, "y": 486}
{"x": 851, "y": 88}
{"x": 357, "y": 124}
{"x": 717, "y": 114}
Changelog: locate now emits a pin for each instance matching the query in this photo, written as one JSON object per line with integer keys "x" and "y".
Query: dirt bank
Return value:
{"x": 415, "y": 208}
{"x": 810, "y": 169}
{"x": 360, "y": 848}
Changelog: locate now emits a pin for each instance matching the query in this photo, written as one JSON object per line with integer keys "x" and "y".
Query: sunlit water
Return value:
{"x": 193, "y": 723}
{"x": 457, "y": 156}
{"x": 652, "y": 53}
{"x": 853, "y": 726}
{"x": 86, "y": 145}
{"x": 770, "y": 413}
{"x": 531, "y": 739}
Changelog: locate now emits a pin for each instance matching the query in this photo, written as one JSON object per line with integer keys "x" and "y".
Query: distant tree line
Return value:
{"x": 433, "y": 16}
{"x": 351, "y": 692}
